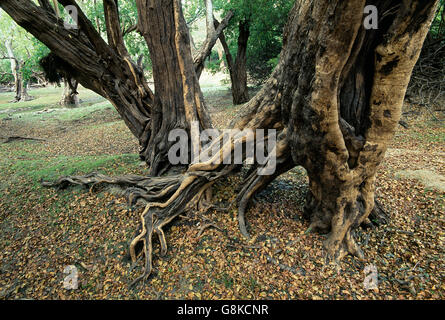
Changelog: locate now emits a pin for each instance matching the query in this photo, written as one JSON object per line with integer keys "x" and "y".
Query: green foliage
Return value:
{"x": 266, "y": 19}
{"x": 5, "y": 69}
{"x": 214, "y": 64}
{"x": 438, "y": 26}
{"x": 36, "y": 169}
{"x": 193, "y": 10}
{"x": 26, "y": 48}
{"x": 134, "y": 42}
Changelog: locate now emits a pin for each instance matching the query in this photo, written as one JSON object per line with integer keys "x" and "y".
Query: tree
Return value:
{"x": 18, "y": 50}
{"x": 237, "y": 66}
{"x": 252, "y": 40}
{"x": 335, "y": 97}
{"x": 107, "y": 67}
{"x": 22, "y": 53}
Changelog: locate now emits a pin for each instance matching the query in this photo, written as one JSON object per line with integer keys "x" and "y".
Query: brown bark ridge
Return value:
{"x": 179, "y": 101}
{"x": 302, "y": 99}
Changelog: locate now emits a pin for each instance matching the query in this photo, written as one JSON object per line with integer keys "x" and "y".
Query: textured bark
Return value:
{"x": 345, "y": 107}
{"x": 107, "y": 69}
{"x": 335, "y": 99}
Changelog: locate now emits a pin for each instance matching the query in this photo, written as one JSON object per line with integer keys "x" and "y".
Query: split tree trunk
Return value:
{"x": 308, "y": 99}
{"x": 344, "y": 102}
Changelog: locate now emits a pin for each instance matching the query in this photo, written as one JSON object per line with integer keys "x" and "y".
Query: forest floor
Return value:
{"x": 43, "y": 230}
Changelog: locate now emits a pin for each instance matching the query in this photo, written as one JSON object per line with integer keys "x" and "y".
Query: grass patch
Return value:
{"x": 40, "y": 168}
{"x": 49, "y": 98}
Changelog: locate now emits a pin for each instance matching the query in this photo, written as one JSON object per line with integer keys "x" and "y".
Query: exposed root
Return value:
{"x": 157, "y": 215}
{"x": 337, "y": 250}
{"x": 137, "y": 187}
{"x": 255, "y": 183}
{"x": 206, "y": 226}
{"x": 379, "y": 216}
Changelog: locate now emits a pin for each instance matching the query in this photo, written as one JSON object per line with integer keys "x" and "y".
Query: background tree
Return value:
{"x": 20, "y": 52}
{"x": 427, "y": 86}
{"x": 253, "y": 41}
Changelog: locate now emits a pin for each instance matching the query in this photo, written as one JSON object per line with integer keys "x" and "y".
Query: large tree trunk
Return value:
{"x": 335, "y": 99}
{"x": 179, "y": 101}
{"x": 20, "y": 86}
{"x": 344, "y": 102}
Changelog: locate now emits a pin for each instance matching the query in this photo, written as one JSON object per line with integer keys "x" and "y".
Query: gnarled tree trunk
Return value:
{"x": 335, "y": 98}
{"x": 107, "y": 69}
{"x": 348, "y": 100}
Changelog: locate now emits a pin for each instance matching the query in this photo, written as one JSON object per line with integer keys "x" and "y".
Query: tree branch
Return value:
{"x": 222, "y": 39}
{"x": 130, "y": 30}
{"x": 112, "y": 24}
{"x": 210, "y": 42}
{"x": 87, "y": 27}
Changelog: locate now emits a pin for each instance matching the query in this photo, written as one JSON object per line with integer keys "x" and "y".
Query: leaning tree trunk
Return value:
{"x": 70, "y": 96}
